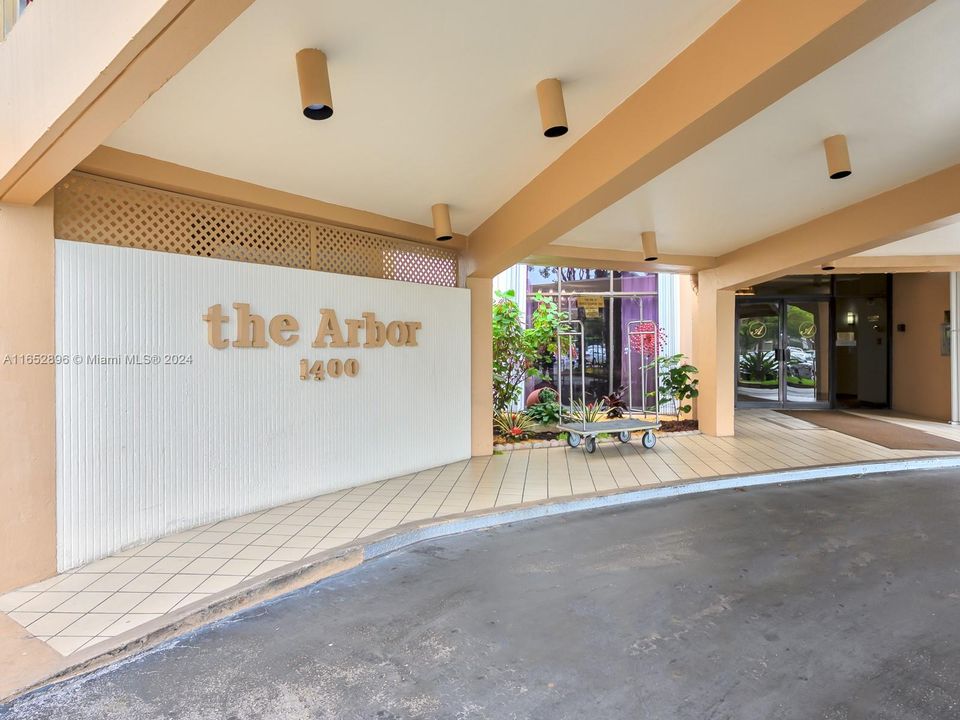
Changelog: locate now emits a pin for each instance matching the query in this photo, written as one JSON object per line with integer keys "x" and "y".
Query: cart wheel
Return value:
{"x": 624, "y": 436}
{"x": 573, "y": 440}
{"x": 590, "y": 445}
{"x": 649, "y": 439}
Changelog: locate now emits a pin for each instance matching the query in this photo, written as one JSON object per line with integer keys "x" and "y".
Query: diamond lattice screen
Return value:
{"x": 97, "y": 210}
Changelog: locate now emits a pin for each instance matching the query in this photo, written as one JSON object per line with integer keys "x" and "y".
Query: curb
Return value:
{"x": 311, "y": 570}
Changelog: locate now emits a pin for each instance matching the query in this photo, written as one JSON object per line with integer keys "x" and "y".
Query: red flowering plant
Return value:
{"x": 647, "y": 339}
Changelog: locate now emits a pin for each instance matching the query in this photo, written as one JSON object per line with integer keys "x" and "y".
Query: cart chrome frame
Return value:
{"x": 586, "y": 432}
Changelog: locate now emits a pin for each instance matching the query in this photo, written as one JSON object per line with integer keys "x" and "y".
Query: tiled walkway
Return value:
{"x": 89, "y": 605}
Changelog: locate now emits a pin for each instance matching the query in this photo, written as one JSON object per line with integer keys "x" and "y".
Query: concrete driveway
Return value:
{"x": 834, "y": 600}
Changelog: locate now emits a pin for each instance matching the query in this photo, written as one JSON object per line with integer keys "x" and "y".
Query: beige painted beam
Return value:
{"x": 142, "y": 170}
{"x": 605, "y": 259}
{"x": 898, "y": 264}
{"x": 753, "y": 56}
{"x": 82, "y": 69}
{"x": 905, "y": 211}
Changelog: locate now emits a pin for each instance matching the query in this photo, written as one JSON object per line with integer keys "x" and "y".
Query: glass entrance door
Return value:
{"x": 783, "y": 357}
{"x": 758, "y": 354}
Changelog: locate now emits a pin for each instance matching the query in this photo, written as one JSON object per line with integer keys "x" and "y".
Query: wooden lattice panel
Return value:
{"x": 101, "y": 211}
{"x": 92, "y": 209}
{"x": 352, "y": 252}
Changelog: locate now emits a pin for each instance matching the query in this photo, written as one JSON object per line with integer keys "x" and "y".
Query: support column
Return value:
{"x": 955, "y": 348}
{"x": 714, "y": 337}
{"x": 28, "y": 467}
{"x": 481, "y": 365}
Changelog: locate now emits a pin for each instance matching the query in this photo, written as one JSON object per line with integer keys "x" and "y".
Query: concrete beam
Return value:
{"x": 604, "y": 259}
{"x": 753, "y": 56}
{"x": 908, "y": 210}
{"x": 150, "y": 172}
{"x": 75, "y": 71}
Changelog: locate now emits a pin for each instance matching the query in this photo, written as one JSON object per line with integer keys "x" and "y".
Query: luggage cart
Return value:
{"x": 570, "y": 334}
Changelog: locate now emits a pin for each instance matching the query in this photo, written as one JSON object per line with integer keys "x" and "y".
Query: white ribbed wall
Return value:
{"x": 144, "y": 451}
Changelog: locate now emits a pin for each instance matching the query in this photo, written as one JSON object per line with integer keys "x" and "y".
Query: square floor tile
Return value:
{"x": 159, "y": 602}
{"x": 223, "y": 552}
{"x": 189, "y": 599}
{"x": 67, "y": 645}
{"x": 181, "y": 583}
{"x": 203, "y": 566}
{"x": 77, "y": 581}
{"x": 269, "y": 540}
{"x": 255, "y": 552}
{"x": 237, "y": 567}
{"x": 129, "y": 621}
{"x": 13, "y": 600}
{"x": 136, "y": 564}
{"x": 90, "y": 624}
{"x": 52, "y": 623}
{"x": 121, "y": 602}
{"x": 46, "y": 601}
{"x": 148, "y": 582}
{"x": 268, "y": 565}
{"x": 104, "y": 565}
{"x": 25, "y": 618}
{"x": 158, "y": 549}
{"x": 218, "y": 583}
{"x": 287, "y": 553}
{"x": 84, "y": 601}
{"x": 191, "y": 549}
{"x": 170, "y": 565}
{"x": 298, "y": 541}
{"x": 111, "y": 581}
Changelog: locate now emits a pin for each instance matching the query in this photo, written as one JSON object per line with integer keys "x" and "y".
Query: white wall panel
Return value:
{"x": 144, "y": 451}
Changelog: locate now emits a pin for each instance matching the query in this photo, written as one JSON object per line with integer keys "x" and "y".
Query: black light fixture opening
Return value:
{"x": 553, "y": 113}
{"x": 442, "y": 228}
{"x": 828, "y": 266}
{"x": 315, "y": 97}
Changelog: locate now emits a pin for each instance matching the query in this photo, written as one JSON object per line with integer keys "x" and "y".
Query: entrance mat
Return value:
{"x": 879, "y": 432}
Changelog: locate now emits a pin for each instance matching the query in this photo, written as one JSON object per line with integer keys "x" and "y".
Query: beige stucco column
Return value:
{"x": 27, "y": 410}
{"x": 481, "y": 365}
{"x": 713, "y": 342}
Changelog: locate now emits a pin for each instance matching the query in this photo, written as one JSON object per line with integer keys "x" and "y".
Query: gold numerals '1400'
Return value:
{"x": 334, "y": 367}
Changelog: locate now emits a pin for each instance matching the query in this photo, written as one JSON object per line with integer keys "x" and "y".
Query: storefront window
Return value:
{"x": 588, "y": 296}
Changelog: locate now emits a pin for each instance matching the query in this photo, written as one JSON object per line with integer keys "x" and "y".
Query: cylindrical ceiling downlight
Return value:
{"x": 838, "y": 157}
{"x": 829, "y": 265}
{"x": 553, "y": 114}
{"x": 649, "y": 240}
{"x": 442, "y": 229}
{"x": 315, "y": 97}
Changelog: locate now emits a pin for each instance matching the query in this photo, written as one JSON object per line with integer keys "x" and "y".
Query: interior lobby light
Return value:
{"x": 315, "y": 96}
{"x": 851, "y": 318}
{"x": 829, "y": 265}
{"x": 442, "y": 229}
{"x": 838, "y": 157}
{"x": 649, "y": 240}
{"x": 553, "y": 114}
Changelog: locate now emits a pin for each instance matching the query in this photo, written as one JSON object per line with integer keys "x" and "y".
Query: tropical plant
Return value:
{"x": 758, "y": 366}
{"x": 588, "y": 412}
{"x": 677, "y": 384}
{"x": 510, "y": 357}
{"x": 520, "y": 352}
{"x": 614, "y": 402}
{"x": 546, "y": 411}
{"x": 514, "y": 425}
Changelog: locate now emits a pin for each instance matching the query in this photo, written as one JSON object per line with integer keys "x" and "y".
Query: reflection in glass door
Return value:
{"x": 783, "y": 356}
{"x": 805, "y": 357}
{"x": 758, "y": 353}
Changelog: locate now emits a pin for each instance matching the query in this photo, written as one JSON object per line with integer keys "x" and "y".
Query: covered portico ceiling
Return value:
{"x": 434, "y": 101}
{"x": 896, "y": 99}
